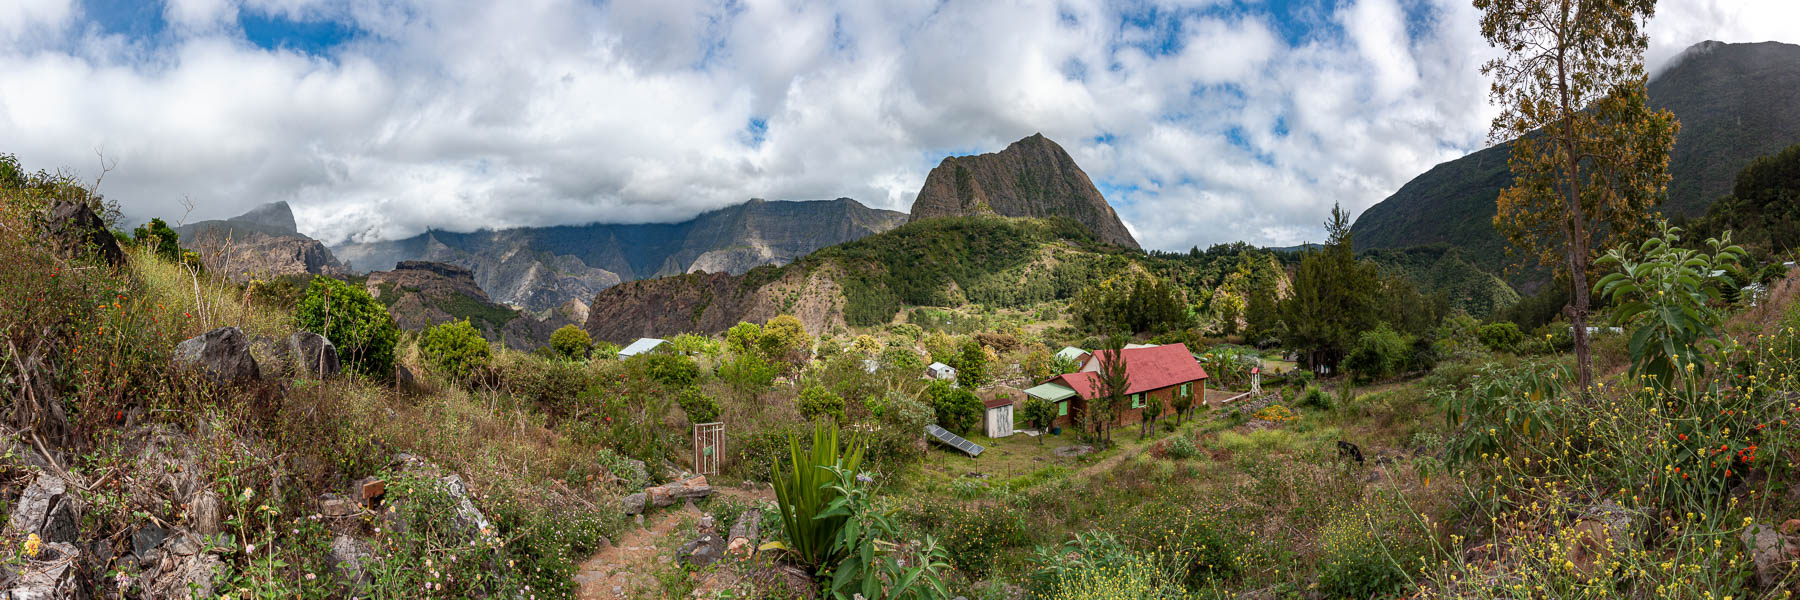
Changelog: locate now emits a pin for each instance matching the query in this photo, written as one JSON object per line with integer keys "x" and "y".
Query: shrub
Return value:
{"x": 1367, "y": 551}
{"x": 1276, "y": 413}
{"x": 902, "y": 361}
{"x": 1181, "y": 447}
{"x": 550, "y": 383}
{"x": 1500, "y": 337}
{"x": 1314, "y": 398}
{"x": 455, "y": 348}
{"x": 900, "y": 420}
{"x": 700, "y": 408}
{"x": 816, "y": 401}
{"x": 360, "y": 327}
{"x": 804, "y": 494}
{"x": 1379, "y": 353}
{"x": 954, "y": 408}
{"x": 571, "y": 342}
{"x": 159, "y": 237}
{"x": 673, "y": 370}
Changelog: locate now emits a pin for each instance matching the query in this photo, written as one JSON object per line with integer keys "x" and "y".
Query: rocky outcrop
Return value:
{"x": 77, "y": 232}
{"x": 1033, "y": 177}
{"x": 420, "y": 294}
{"x": 541, "y": 268}
{"x": 222, "y": 353}
{"x": 47, "y": 510}
{"x": 710, "y": 303}
{"x": 259, "y": 244}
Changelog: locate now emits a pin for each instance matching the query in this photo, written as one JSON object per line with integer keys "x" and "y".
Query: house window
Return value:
{"x": 1137, "y": 400}
{"x": 1184, "y": 388}
{"x": 1062, "y": 408}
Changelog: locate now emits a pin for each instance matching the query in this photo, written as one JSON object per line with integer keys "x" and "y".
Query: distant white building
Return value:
{"x": 644, "y": 346}
{"x": 938, "y": 370}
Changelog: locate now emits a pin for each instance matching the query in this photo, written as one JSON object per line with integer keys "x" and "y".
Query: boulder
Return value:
{"x": 467, "y": 516}
{"x": 53, "y": 575}
{"x": 404, "y": 380}
{"x": 702, "y": 551}
{"x": 314, "y": 355}
{"x": 76, "y": 230}
{"x": 1764, "y": 546}
{"x": 350, "y": 560}
{"x": 223, "y": 353}
{"x": 634, "y": 504}
{"x": 47, "y": 510}
{"x": 183, "y": 572}
{"x": 145, "y": 542}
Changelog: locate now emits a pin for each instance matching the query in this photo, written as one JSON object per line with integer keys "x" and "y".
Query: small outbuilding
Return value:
{"x": 941, "y": 371}
{"x": 998, "y": 417}
{"x": 1073, "y": 354}
{"x": 644, "y": 346}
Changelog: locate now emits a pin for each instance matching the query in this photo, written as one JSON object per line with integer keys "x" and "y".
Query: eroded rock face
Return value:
{"x": 55, "y": 574}
{"x": 313, "y": 354}
{"x": 76, "y": 231}
{"x": 48, "y": 510}
{"x": 261, "y": 243}
{"x": 223, "y": 353}
{"x": 1033, "y": 177}
{"x": 350, "y": 560}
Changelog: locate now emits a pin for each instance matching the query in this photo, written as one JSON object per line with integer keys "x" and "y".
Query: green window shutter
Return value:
{"x": 1062, "y": 409}
{"x": 1137, "y": 400}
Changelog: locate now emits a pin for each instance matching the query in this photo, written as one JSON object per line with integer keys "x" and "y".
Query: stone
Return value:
{"x": 742, "y": 539}
{"x": 640, "y": 472}
{"x": 350, "y": 560}
{"x": 46, "y": 509}
{"x": 1764, "y": 546}
{"x": 332, "y": 505}
{"x": 76, "y": 230}
{"x": 203, "y": 513}
{"x": 1073, "y": 451}
{"x": 145, "y": 541}
{"x": 187, "y": 577}
{"x": 53, "y": 575}
{"x": 222, "y": 353}
{"x": 315, "y": 355}
{"x": 1790, "y": 527}
{"x": 467, "y": 515}
{"x": 404, "y": 380}
{"x": 703, "y": 550}
{"x": 706, "y": 522}
{"x": 633, "y": 504}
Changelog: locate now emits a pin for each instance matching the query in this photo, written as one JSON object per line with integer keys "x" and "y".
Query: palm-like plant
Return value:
{"x": 804, "y": 491}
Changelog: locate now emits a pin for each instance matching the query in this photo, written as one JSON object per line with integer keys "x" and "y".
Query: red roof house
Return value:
{"x": 1155, "y": 371}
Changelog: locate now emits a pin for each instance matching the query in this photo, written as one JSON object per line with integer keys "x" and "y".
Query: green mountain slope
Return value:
{"x": 1735, "y": 102}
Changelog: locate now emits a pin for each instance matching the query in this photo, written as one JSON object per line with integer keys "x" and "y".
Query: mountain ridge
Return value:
{"x": 1033, "y": 177}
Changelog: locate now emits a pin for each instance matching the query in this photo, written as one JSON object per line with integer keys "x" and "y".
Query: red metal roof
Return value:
{"x": 1148, "y": 368}
{"x": 997, "y": 402}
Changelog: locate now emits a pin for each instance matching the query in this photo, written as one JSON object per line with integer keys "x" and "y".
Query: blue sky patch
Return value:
{"x": 135, "y": 19}
{"x": 274, "y": 32}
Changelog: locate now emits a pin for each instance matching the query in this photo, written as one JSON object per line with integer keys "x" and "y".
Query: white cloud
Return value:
{"x": 459, "y": 114}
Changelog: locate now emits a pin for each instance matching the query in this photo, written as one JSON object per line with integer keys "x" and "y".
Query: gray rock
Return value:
{"x": 203, "y": 513}
{"x": 314, "y": 355}
{"x": 702, "y": 551}
{"x": 146, "y": 540}
{"x": 633, "y": 504}
{"x": 223, "y": 353}
{"x": 46, "y": 509}
{"x": 469, "y": 517}
{"x": 189, "y": 576}
{"x": 404, "y": 380}
{"x": 1764, "y": 545}
{"x": 1073, "y": 451}
{"x": 350, "y": 560}
{"x": 76, "y": 230}
{"x": 640, "y": 473}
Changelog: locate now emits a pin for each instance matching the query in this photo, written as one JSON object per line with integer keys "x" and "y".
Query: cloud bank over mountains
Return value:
{"x": 1202, "y": 121}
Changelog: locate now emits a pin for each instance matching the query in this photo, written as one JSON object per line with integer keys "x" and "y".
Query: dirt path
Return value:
{"x": 627, "y": 568}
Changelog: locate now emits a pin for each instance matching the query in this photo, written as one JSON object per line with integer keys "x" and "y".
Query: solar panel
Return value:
{"x": 955, "y": 441}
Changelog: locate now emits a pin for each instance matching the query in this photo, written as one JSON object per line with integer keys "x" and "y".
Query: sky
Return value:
{"x": 1202, "y": 121}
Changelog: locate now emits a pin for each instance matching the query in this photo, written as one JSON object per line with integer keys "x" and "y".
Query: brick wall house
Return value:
{"x": 1154, "y": 372}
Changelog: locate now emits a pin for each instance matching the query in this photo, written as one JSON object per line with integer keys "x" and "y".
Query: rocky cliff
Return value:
{"x": 710, "y": 303}
{"x": 262, "y": 243}
{"x": 420, "y": 294}
{"x": 1033, "y": 177}
{"x": 540, "y": 268}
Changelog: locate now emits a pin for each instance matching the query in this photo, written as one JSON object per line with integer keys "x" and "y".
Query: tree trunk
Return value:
{"x": 1576, "y": 224}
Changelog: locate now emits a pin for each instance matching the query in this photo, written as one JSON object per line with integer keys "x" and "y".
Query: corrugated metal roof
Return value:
{"x": 641, "y": 346}
{"x": 1071, "y": 353}
{"x": 1150, "y": 368}
{"x": 1051, "y": 391}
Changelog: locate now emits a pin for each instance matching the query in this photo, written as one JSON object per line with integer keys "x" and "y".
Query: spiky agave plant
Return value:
{"x": 804, "y": 490}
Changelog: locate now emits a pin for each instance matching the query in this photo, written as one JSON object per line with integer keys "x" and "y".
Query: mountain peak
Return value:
{"x": 276, "y": 215}
{"x": 1032, "y": 177}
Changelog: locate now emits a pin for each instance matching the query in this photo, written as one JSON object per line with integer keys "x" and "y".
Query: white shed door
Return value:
{"x": 1000, "y": 422}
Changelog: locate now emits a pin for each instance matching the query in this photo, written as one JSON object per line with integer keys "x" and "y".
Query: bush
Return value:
{"x": 550, "y": 383}
{"x": 1368, "y": 550}
{"x": 1276, "y": 413}
{"x": 159, "y": 237}
{"x": 571, "y": 342}
{"x": 1181, "y": 447}
{"x": 1379, "y": 353}
{"x": 1500, "y": 337}
{"x": 700, "y": 408}
{"x": 360, "y": 327}
{"x": 954, "y": 408}
{"x": 816, "y": 401}
{"x": 455, "y": 348}
{"x": 673, "y": 370}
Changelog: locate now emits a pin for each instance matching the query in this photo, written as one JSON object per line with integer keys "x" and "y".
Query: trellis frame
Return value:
{"x": 709, "y": 443}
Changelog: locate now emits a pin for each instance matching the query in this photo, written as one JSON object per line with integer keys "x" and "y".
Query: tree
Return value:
{"x": 1182, "y": 401}
{"x": 695, "y": 345}
{"x": 1379, "y": 353}
{"x": 360, "y": 327}
{"x": 1262, "y": 315}
{"x": 1332, "y": 299}
{"x": 902, "y": 363}
{"x": 673, "y": 370}
{"x": 815, "y": 401}
{"x": 784, "y": 340}
{"x": 1038, "y": 413}
{"x": 1130, "y": 303}
{"x": 1153, "y": 407}
{"x": 1110, "y": 387}
{"x": 972, "y": 364}
{"x": 743, "y": 338}
{"x": 571, "y": 342}
{"x": 865, "y": 345}
{"x": 956, "y": 409}
{"x": 1503, "y": 336}
{"x": 700, "y": 408}
{"x": 1589, "y": 157}
{"x": 158, "y": 236}
{"x": 455, "y": 348}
